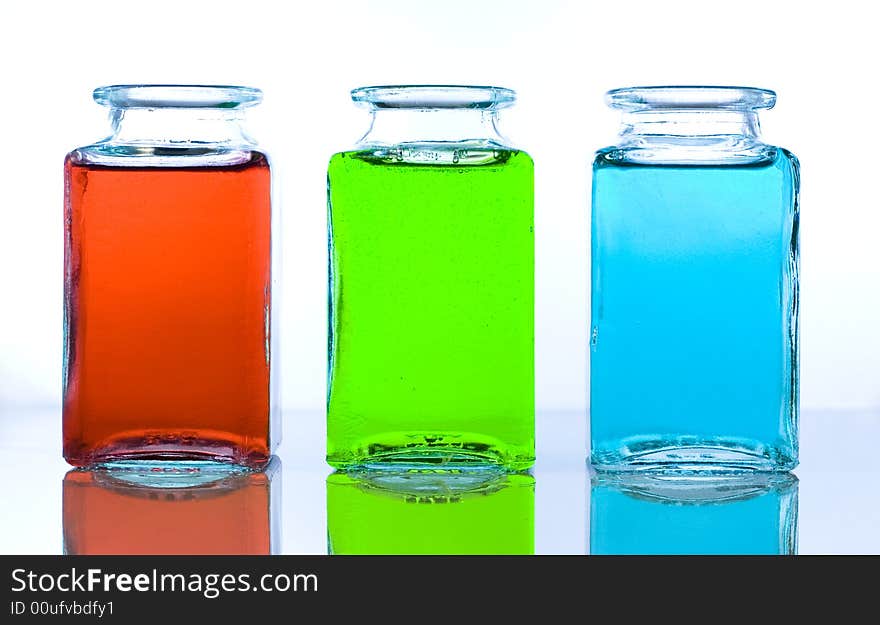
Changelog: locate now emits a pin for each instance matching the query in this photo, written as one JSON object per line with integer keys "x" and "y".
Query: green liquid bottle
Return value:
{"x": 431, "y": 351}
{"x": 430, "y": 513}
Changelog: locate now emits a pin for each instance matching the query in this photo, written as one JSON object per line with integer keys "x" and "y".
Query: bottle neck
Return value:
{"x": 166, "y": 127}
{"x": 171, "y": 137}
{"x": 395, "y": 126}
{"x": 695, "y": 125}
{"x": 691, "y": 136}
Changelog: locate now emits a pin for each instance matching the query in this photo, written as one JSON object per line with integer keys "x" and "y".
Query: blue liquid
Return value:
{"x": 718, "y": 517}
{"x": 694, "y": 361}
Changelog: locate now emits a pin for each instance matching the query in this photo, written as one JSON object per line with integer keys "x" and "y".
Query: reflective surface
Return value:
{"x": 838, "y": 500}
{"x": 661, "y": 515}
{"x": 188, "y": 510}
{"x": 430, "y": 512}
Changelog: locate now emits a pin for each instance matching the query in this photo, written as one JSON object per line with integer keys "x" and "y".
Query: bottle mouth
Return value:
{"x": 177, "y": 96}
{"x": 434, "y": 97}
{"x": 690, "y": 98}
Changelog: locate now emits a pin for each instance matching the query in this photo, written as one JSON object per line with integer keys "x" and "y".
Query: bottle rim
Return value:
{"x": 694, "y": 97}
{"x": 153, "y": 96}
{"x": 434, "y": 97}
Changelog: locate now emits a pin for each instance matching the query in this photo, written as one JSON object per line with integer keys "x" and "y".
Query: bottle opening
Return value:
{"x": 672, "y": 98}
{"x": 177, "y": 96}
{"x": 434, "y": 97}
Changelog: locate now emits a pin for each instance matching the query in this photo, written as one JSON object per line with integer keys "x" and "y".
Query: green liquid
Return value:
{"x": 430, "y": 514}
{"x": 432, "y": 307}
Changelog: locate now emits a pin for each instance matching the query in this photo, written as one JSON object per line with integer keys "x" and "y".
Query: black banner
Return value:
{"x": 398, "y": 588}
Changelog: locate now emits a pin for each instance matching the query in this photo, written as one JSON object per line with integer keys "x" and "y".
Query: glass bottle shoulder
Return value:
{"x": 758, "y": 155}
{"x": 433, "y": 154}
{"x": 101, "y": 155}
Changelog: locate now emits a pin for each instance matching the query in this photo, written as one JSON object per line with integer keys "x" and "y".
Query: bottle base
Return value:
{"x": 685, "y": 457}
{"x": 169, "y": 474}
{"x": 419, "y": 451}
{"x": 167, "y": 451}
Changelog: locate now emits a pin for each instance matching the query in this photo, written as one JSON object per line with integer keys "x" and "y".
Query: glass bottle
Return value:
{"x": 180, "y": 510}
{"x": 430, "y": 512}
{"x": 652, "y": 514}
{"x": 431, "y": 355}
{"x": 167, "y": 282}
{"x": 694, "y": 342}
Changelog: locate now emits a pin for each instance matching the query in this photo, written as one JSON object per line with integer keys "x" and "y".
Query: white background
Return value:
{"x": 560, "y": 57}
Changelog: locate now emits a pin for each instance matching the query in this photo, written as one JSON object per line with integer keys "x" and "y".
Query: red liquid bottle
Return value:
{"x": 168, "y": 270}
{"x": 184, "y": 511}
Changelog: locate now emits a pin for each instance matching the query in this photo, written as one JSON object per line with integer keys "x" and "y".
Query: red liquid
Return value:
{"x": 104, "y": 516}
{"x": 167, "y": 299}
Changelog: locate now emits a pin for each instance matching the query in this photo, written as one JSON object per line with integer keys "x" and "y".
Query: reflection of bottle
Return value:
{"x": 186, "y": 510}
{"x": 426, "y": 512}
{"x": 431, "y": 352}
{"x": 642, "y": 514}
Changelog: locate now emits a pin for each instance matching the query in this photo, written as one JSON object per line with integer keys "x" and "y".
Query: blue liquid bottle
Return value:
{"x": 649, "y": 514}
{"x": 694, "y": 337}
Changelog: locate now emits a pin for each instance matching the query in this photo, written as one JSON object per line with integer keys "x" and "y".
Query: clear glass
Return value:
{"x": 168, "y": 283}
{"x": 650, "y": 514}
{"x": 430, "y": 512}
{"x": 431, "y": 245}
{"x": 694, "y": 338}
{"x": 185, "y": 509}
